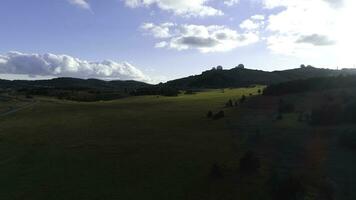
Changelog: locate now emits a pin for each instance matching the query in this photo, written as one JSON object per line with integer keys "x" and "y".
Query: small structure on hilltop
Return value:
{"x": 240, "y": 66}
{"x": 219, "y": 67}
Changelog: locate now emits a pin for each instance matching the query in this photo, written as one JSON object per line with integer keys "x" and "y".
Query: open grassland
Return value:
{"x": 164, "y": 148}
{"x": 134, "y": 148}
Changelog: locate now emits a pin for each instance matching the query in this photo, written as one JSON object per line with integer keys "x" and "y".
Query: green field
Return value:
{"x": 156, "y": 147}
{"x": 134, "y": 148}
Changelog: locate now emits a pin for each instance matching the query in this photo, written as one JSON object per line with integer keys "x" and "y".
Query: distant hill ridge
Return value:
{"x": 73, "y": 83}
{"x": 214, "y": 78}
{"x": 240, "y": 76}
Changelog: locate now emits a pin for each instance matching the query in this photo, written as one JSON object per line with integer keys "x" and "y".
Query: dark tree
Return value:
{"x": 280, "y": 116}
{"x": 210, "y": 114}
{"x": 249, "y": 163}
{"x": 215, "y": 171}
{"x": 219, "y": 115}
{"x": 301, "y": 117}
{"x": 229, "y": 103}
{"x": 242, "y": 99}
{"x": 289, "y": 189}
{"x": 326, "y": 190}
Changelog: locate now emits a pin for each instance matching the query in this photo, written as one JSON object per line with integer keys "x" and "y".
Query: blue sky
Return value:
{"x": 158, "y": 40}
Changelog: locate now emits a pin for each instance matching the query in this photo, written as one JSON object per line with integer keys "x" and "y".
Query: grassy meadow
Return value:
{"x": 134, "y": 148}
{"x": 155, "y": 147}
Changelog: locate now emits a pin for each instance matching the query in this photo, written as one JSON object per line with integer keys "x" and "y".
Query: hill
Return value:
{"x": 72, "y": 83}
{"x": 240, "y": 77}
{"x": 72, "y": 88}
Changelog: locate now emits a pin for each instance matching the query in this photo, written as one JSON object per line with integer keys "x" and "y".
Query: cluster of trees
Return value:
{"x": 335, "y": 113}
{"x": 74, "y": 94}
{"x": 310, "y": 85}
{"x": 235, "y": 103}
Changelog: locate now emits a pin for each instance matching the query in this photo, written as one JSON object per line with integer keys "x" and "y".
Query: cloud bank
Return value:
{"x": 312, "y": 28}
{"x": 66, "y": 66}
{"x": 205, "y": 39}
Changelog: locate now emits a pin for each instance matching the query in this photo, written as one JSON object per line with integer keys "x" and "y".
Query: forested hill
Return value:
{"x": 73, "y": 83}
{"x": 240, "y": 76}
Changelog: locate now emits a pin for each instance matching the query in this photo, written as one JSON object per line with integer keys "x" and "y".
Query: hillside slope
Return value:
{"x": 239, "y": 77}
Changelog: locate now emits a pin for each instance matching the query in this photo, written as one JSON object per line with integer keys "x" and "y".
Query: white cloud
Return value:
{"x": 312, "y": 28}
{"x": 66, "y": 66}
{"x": 162, "y": 31}
{"x": 159, "y": 44}
{"x": 255, "y": 22}
{"x": 258, "y": 17}
{"x": 231, "y": 2}
{"x": 81, "y": 3}
{"x": 203, "y": 38}
{"x": 186, "y": 8}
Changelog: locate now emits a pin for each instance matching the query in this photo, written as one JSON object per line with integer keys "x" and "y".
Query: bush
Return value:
{"x": 219, "y": 115}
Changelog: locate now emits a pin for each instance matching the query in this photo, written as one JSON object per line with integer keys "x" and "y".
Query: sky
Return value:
{"x": 159, "y": 40}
